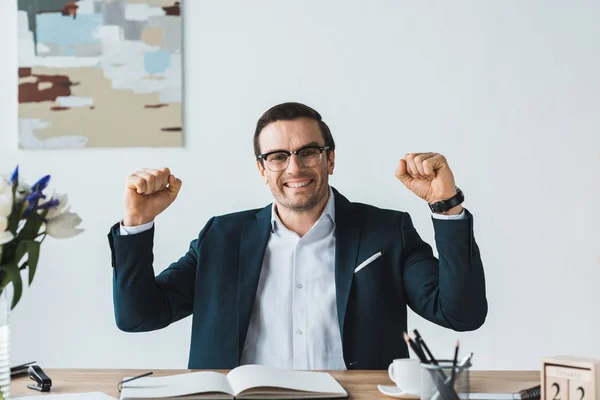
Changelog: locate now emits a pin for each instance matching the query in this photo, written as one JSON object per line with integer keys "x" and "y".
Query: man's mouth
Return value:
{"x": 298, "y": 184}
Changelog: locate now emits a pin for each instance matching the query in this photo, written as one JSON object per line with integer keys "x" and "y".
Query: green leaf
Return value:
{"x": 21, "y": 250}
{"x": 32, "y": 226}
{"x": 32, "y": 248}
{"x": 15, "y": 215}
{"x": 13, "y": 275}
{"x": 33, "y": 251}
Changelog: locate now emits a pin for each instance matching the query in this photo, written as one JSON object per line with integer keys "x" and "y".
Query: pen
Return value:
{"x": 454, "y": 361}
{"x": 422, "y": 342}
{"x": 120, "y": 384}
{"x": 415, "y": 348}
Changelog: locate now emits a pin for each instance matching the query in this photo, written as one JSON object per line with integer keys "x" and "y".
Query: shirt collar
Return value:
{"x": 328, "y": 210}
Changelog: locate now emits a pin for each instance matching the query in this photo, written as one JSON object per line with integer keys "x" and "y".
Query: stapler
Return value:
{"x": 43, "y": 382}
{"x": 20, "y": 369}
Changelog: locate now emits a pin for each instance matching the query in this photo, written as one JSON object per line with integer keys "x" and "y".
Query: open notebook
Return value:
{"x": 245, "y": 382}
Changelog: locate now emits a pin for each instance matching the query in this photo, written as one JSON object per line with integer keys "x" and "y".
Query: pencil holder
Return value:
{"x": 437, "y": 383}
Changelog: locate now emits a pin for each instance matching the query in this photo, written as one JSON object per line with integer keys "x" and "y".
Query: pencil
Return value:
{"x": 420, "y": 349}
{"x": 414, "y": 347}
{"x": 422, "y": 342}
{"x": 418, "y": 342}
{"x": 454, "y": 361}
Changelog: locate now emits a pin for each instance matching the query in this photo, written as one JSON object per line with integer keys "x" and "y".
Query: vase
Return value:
{"x": 5, "y": 300}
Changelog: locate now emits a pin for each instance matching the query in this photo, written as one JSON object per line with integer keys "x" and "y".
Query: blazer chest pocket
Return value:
{"x": 368, "y": 263}
{"x": 373, "y": 283}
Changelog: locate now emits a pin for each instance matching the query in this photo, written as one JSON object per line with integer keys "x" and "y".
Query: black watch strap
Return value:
{"x": 445, "y": 205}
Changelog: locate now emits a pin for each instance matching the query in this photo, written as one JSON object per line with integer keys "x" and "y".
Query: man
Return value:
{"x": 311, "y": 281}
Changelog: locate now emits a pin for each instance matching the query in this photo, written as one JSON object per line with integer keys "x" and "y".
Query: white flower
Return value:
{"x": 5, "y": 237}
{"x": 63, "y": 225}
{"x": 6, "y": 198}
{"x": 63, "y": 199}
{"x": 6, "y": 202}
{"x": 4, "y": 183}
{"x": 23, "y": 190}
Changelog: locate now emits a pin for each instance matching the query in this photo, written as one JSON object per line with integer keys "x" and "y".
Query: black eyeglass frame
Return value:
{"x": 289, "y": 153}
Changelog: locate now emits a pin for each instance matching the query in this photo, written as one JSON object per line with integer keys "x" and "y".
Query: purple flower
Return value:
{"x": 41, "y": 184}
{"x": 15, "y": 175}
{"x": 49, "y": 204}
{"x": 33, "y": 200}
{"x": 35, "y": 196}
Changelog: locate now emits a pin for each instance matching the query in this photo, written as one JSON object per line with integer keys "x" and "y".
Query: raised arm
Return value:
{"x": 142, "y": 301}
{"x": 449, "y": 291}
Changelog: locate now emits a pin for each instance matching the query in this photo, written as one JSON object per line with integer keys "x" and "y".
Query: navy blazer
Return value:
{"x": 216, "y": 281}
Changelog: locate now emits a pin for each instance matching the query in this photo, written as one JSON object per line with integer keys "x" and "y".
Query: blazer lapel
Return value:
{"x": 348, "y": 231}
{"x": 253, "y": 242}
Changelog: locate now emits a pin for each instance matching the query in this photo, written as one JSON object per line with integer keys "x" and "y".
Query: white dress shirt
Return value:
{"x": 294, "y": 322}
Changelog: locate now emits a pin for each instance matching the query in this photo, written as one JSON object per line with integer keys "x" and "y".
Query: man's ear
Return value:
{"x": 262, "y": 171}
{"x": 331, "y": 162}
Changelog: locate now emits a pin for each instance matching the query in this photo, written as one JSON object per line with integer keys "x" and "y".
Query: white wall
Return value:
{"x": 509, "y": 91}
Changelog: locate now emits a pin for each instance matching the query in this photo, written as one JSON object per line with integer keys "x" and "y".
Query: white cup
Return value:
{"x": 406, "y": 374}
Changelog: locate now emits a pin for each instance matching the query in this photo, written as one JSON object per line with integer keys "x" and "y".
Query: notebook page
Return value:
{"x": 176, "y": 385}
{"x": 249, "y": 376}
{"x": 71, "y": 396}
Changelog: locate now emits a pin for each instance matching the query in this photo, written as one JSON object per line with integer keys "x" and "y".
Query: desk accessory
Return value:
{"x": 20, "y": 369}
{"x": 444, "y": 375}
{"x": 246, "y": 381}
{"x": 450, "y": 388}
{"x": 526, "y": 394}
{"x": 120, "y": 384}
{"x": 570, "y": 378}
{"x": 70, "y": 396}
{"x": 43, "y": 382}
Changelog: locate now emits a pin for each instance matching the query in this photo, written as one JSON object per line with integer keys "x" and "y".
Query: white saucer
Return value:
{"x": 394, "y": 391}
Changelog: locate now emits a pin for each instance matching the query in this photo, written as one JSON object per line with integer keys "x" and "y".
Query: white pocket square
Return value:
{"x": 367, "y": 261}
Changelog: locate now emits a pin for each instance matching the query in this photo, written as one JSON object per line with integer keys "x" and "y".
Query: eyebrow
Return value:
{"x": 311, "y": 144}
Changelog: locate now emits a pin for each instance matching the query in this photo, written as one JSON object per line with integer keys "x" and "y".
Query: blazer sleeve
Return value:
{"x": 450, "y": 291}
{"x": 143, "y": 302}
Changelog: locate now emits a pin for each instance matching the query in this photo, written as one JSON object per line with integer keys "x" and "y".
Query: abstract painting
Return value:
{"x": 100, "y": 73}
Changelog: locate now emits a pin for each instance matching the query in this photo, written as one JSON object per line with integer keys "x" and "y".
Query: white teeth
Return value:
{"x": 297, "y": 184}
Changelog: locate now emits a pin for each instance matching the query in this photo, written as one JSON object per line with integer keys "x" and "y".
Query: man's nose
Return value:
{"x": 294, "y": 164}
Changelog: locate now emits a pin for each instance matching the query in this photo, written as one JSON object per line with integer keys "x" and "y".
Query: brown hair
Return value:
{"x": 291, "y": 111}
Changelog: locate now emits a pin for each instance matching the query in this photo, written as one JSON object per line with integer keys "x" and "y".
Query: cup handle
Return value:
{"x": 391, "y": 372}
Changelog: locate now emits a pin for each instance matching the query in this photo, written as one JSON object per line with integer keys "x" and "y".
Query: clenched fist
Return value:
{"x": 149, "y": 192}
{"x": 428, "y": 176}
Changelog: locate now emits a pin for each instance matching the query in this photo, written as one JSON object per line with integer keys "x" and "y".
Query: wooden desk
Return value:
{"x": 359, "y": 384}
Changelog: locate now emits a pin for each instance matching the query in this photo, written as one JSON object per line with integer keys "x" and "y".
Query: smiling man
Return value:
{"x": 311, "y": 281}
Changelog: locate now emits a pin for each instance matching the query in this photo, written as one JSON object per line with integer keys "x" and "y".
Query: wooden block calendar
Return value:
{"x": 570, "y": 378}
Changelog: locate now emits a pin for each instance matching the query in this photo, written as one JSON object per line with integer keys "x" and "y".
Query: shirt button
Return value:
{"x": 299, "y": 286}
{"x": 299, "y": 332}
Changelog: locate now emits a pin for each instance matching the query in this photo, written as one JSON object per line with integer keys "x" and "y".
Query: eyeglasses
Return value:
{"x": 309, "y": 156}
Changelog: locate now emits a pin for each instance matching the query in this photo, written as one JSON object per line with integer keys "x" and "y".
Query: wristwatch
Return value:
{"x": 445, "y": 205}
